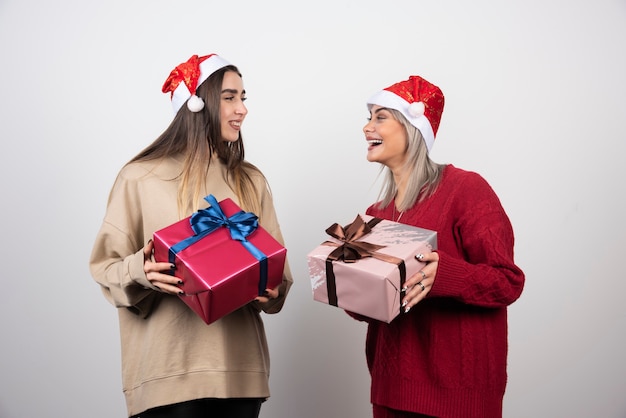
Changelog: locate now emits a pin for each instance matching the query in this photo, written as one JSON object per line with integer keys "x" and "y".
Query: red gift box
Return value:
{"x": 224, "y": 258}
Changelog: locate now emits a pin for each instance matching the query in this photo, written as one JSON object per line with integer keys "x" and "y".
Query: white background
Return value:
{"x": 535, "y": 96}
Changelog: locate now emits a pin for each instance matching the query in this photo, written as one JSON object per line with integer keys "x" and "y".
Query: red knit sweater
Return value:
{"x": 447, "y": 356}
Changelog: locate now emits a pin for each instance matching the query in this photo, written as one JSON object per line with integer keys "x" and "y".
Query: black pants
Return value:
{"x": 207, "y": 408}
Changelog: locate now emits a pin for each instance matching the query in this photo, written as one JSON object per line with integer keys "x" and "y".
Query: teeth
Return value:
{"x": 236, "y": 123}
{"x": 374, "y": 142}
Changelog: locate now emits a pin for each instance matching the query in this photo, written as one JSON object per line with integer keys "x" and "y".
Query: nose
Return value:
{"x": 241, "y": 109}
{"x": 368, "y": 127}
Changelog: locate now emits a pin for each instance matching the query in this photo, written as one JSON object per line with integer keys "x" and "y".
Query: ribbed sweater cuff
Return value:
{"x": 450, "y": 279}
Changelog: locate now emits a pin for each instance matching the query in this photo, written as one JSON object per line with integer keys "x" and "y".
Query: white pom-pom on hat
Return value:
{"x": 195, "y": 104}
{"x": 416, "y": 109}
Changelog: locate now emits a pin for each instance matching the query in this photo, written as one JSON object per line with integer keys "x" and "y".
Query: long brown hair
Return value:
{"x": 198, "y": 137}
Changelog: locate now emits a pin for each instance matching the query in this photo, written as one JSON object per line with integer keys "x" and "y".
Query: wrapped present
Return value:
{"x": 223, "y": 256}
{"x": 363, "y": 266}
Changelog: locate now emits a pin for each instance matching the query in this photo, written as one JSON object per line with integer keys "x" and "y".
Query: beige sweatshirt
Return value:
{"x": 169, "y": 354}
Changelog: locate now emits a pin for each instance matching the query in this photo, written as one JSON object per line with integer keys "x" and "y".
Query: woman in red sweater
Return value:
{"x": 446, "y": 355}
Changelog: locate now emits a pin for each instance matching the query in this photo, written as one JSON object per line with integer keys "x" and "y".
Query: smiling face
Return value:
{"x": 232, "y": 108}
{"x": 386, "y": 138}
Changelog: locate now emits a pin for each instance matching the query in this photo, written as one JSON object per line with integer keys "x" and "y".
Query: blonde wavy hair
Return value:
{"x": 423, "y": 173}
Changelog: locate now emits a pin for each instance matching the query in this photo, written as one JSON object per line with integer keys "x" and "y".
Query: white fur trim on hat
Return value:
{"x": 411, "y": 112}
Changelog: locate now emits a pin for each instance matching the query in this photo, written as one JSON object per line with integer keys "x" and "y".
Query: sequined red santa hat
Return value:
{"x": 186, "y": 77}
{"x": 418, "y": 100}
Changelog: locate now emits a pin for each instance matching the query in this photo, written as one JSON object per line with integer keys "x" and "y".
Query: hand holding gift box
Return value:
{"x": 362, "y": 268}
{"x": 223, "y": 256}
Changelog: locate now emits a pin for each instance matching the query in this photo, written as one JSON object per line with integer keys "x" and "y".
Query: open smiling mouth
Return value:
{"x": 374, "y": 142}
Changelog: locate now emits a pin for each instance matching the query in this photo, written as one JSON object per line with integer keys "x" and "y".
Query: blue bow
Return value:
{"x": 240, "y": 225}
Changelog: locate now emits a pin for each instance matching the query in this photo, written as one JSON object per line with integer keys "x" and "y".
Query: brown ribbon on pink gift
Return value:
{"x": 351, "y": 250}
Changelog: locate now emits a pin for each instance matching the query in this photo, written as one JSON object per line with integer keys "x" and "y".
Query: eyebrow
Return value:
{"x": 380, "y": 109}
{"x": 233, "y": 91}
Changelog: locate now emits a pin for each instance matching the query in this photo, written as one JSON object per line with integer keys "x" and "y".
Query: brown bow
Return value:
{"x": 351, "y": 250}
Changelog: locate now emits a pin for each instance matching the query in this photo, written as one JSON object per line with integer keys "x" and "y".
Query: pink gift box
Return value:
{"x": 221, "y": 274}
{"x": 370, "y": 285}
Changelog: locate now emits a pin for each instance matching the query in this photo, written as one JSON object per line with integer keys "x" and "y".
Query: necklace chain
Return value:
{"x": 394, "y": 214}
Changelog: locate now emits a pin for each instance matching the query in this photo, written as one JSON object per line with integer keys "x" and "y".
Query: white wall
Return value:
{"x": 535, "y": 102}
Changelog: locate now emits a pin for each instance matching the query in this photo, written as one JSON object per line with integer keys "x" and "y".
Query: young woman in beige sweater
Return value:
{"x": 174, "y": 364}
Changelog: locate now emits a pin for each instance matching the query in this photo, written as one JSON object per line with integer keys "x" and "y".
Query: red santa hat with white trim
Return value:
{"x": 186, "y": 77}
{"x": 418, "y": 100}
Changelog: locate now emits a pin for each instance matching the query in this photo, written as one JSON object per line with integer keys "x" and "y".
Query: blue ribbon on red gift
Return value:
{"x": 240, "y": 225}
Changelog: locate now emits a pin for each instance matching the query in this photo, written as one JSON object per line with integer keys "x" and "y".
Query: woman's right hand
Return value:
{"x": 155, "y": 272}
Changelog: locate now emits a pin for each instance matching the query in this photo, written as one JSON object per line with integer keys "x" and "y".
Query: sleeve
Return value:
{"x": 116, "y": 261}
{"x": 269, "y": 221}
{"x": 359, "y": 317}
{"x": 485, "y": 274}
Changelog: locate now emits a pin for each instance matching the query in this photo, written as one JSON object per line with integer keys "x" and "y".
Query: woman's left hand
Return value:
{"x": 269, "y": 294}
{"x": 418, "y": 285}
